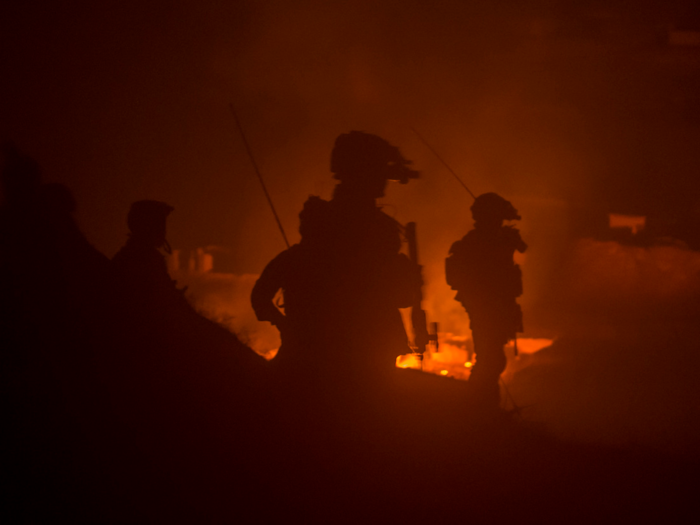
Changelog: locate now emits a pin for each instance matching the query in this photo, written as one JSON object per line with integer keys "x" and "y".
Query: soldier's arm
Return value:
{"x": 266, "y": 287}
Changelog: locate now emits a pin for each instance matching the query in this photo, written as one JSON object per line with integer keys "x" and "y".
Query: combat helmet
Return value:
{"x": 357, "y": 154}
{"x": 491, "y": 206}
{"x": 146, "y": 220}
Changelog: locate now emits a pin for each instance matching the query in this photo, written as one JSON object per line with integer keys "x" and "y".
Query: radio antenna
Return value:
{"x": 257, "y": 171}
{"x": 443, "y": 162}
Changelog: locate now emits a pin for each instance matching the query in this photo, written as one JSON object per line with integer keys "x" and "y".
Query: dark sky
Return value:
{"x": 542, "y": 100}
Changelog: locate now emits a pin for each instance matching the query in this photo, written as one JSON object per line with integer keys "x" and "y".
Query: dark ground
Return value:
{"x": 123, "y": 408}
{"x": 192, "y": 434}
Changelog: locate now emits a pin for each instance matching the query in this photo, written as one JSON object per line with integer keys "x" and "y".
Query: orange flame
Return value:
{"x": 455, "y": 358}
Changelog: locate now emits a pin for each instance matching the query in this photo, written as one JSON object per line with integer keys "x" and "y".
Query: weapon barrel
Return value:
{"x": 418, "y": 317}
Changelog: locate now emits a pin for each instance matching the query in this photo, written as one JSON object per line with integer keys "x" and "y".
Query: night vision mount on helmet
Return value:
{"x": 358, "y": 153}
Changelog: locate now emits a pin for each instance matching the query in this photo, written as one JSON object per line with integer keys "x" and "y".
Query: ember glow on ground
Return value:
{"x": 455, "y": 356}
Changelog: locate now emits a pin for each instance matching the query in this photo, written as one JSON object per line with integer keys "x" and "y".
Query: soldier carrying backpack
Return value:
{"x": 481, "y": 269}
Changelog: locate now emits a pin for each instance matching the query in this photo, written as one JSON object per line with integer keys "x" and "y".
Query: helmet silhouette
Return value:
{"x": 491, "y": 206}
{"x": 147, "y": 219}
{"x": 358, "y": 154}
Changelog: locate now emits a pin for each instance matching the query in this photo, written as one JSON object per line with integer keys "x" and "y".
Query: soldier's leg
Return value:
{"x": 490, "y": 364}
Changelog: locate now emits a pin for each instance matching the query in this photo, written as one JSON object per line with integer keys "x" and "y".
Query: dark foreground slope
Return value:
{"x": 186, "y": 429}
{"x": 122, "y": 411}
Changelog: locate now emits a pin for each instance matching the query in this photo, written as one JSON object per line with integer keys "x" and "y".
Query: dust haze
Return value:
{"x": 558, "y": 108}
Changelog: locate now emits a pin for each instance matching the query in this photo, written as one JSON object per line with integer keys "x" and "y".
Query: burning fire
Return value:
{"x": 225, "y": 298}
{"x": 455, "y": 356}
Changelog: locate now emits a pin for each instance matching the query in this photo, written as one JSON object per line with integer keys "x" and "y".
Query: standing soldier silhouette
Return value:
{"x": 344, "y": 282}
{"x": 488, "y": 282}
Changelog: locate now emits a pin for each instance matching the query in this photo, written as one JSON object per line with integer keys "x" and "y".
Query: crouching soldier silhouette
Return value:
{"x": 488, "y": 282}
{"x": 344, "y": 282}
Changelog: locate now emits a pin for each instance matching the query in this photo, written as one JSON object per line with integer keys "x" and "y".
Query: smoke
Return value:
{"x": 139, "y": 108}
{"x": 472, "y": 80}
{"x": 546, "y": 105}
{"x": 225, "y": 298}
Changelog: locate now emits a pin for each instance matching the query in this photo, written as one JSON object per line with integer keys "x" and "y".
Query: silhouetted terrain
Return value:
{"x": 123, "y": 407}
{"x": 170, "y": 422}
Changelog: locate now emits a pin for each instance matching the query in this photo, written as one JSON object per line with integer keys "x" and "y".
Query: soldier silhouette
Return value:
{"x": 48, "y": 267}
{"x": 488, "y": 282}
{"x": 147, "y": 303}
{"x": 146, "y": 298}
{"x": 344, "y": 282}
{"x": 139, "y": 264}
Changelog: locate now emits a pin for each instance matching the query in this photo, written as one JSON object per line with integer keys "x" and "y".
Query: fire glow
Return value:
{"x": 225, "y": 298}
{"x": 455, "y": 355}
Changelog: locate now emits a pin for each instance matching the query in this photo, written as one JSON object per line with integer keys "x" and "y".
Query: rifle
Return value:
{"x": 422, "y": 336}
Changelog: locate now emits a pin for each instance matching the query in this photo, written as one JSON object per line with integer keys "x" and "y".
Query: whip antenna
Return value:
{"x": 257, "y": 171}
{"x": 443, "y": 162}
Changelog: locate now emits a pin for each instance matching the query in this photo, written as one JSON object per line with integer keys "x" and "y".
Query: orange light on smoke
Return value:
{"x": 635, "y": 223}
